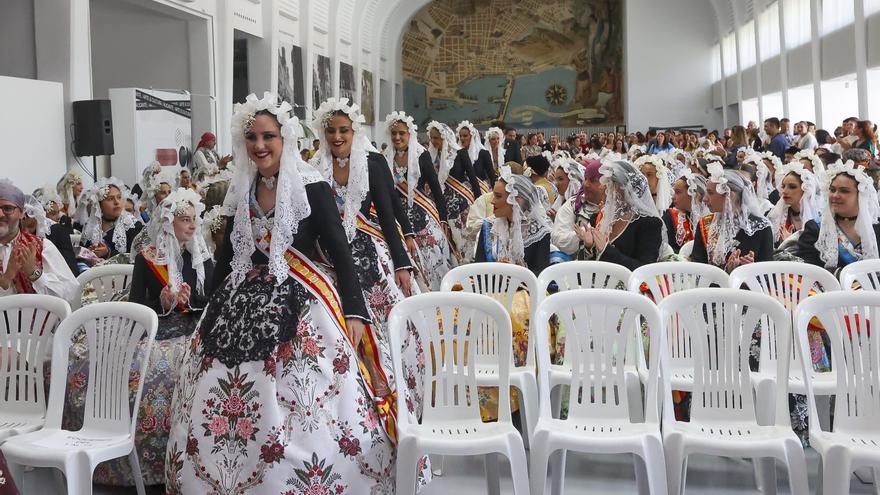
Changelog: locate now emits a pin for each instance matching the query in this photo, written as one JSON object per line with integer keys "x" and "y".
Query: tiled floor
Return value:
{"x": 585, "y": 475}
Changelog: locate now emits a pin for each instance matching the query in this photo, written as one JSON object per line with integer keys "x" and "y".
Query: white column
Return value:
{"x": 816, "y": 59}
{"x": 783, "y": 59}
{"x": 224, "y": 34}
{"x": 861, "y": 53}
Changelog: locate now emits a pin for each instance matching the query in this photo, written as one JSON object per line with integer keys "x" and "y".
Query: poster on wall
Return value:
{"x": 562, "y": 68}
{"x": 290, "y": 77}
{"x": 321, "y": 86}
{"x": 346, "y": 81}
{"x": 367, "y": 98}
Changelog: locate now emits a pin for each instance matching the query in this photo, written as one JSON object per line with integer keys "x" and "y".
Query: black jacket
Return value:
{"x": 537, "y": 255}
{"x": 761, "y": 244}
{"x": 324, "y": 226}
{"x": 388, "y": 208}
{"x": 463, "y": 171}
{"x": 429, "y": 177}
{"x": 484, "y": 168}
{"x": 146, "y": 286}
{"x": 512, "y": 152}
{"x": 130, "y": 234}
{"x": 806, "y": 248}
{"x": 59, "y": 235}
{"x": 637, "y": 245}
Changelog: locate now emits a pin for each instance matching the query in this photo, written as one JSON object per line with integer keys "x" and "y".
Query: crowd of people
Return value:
{"x": 274, "y": 269}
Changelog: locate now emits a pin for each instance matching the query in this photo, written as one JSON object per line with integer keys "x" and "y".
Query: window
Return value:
{"x": 837, "y": 14}
{"x": 840, "y": 100}
{"x": 874, "y": 95}
{"x": 747, "y": 45}
{"x": 872, "y": 7}
{"x": 728, "y": 48}
{"x": 716, "y": 62}
{"x": 772, "y": 105}
{"x": 750, "y": 112}
{"x": 796, "y": 14}
{"x": 768, "y": 28}
{"x": 802, "y": 104}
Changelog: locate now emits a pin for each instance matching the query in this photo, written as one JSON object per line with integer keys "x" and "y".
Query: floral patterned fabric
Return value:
{"x": 7, "y": 484}
{"x": 457, "y": 211}
{"x": 298, "y": 421}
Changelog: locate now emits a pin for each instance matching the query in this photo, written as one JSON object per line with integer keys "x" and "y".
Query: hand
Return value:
{"x": 585, "y": 234}
{"x": 101, "y": 250}
{"x": 27, "y": 253}
{"x": 224, "y": 160}
{"x": 747, "y": 259}
{"x": 445, "y": 227}
{"x": 736, "y": 259}
{"x": 786, "y": 232}
{"x": 183, "y": 294}
{"x": 167, "y": 298}
{"x": 600, "y": 239}
{"x": 355, "y": 329}
{"x": 7, "y": 278}
{"x": 402, "y": 278}
{"x": 411, "y": 246}
{"x": 552, "y": 213}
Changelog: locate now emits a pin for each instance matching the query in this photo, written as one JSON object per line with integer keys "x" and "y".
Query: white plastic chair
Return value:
{"x": 501, "y": 281}
{"x": 865, "y": 272}
{"x": 113, "y": 331}
{"x": 107, "y": 280}
{"x": 582, "y": 275}
{"x": 27, "y": 325}
{"x": 723, "y": 418}
{"x": 848, "y": 318}
{"x": 686, "y": 249}
{"x": 74, "y": 240}
{"x": 600, "y": 398}
{"x": 452, "y": 328}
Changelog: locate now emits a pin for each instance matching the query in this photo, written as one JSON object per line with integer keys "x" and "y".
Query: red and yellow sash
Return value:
{"x": 681, "y": 237}
{"x": 461, "y": 189}
{"x": 321, "y": 287}
{"x": 161, "y": 272}
{"x": 484, "y": 188}
{"x": 423, "y": 201}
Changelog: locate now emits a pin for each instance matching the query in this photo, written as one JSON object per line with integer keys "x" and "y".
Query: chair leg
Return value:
{"x": 796, "y": 461}
{"x": 836, "y": 471}
{"x": 538, "y": 463}
{"x": 876, "y": 481}
{"x": 652, "y": 479}
{"x": 493, "y": 479}
{"x": 519, "y": 467}
{"x": 556, "y": 401}
{"x": 529, "y": 405}
{"x": 407, "y": 460}
{"x": 79, "y": 475}
{"x": 634, "y": 398}
{"x": 16, "y": 472}
{"x": 557, "y": 471}
{"x": 765, "y": 472}
{"x": 676, "y": 463}
{"x": 136, "y": 471}
{"x": 438, "y": 463}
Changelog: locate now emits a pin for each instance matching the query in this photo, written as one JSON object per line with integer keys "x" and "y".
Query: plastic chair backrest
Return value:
{"x": 74, "y": 239}
{"x": 787, "y": 282}
{"x": 27, "y": 326}
{"x": 583, "y": 275}
{"x": 848, "y": 318}
{"x": 107, "y": 280}
{"x": 721, "y": 323}
{"x": 113, "y": 331}
{"x": 449, "y": 326}
{"x": 500, "y": 281}
{"x": 686, "y": 249}
{"x": 600, "y": 321}
{"x": 865, "y": 272}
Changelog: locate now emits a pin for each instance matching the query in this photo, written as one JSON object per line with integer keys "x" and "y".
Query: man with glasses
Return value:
{"x": 29, "y": 264}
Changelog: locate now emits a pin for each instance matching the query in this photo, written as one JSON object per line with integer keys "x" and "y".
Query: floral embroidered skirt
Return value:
{"x": 270, "y": 400}
{"x": 433, "y": 246}
{"x": 457, "y": 212}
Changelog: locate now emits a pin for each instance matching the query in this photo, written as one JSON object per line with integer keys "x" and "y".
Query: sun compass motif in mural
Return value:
{"x": 556, "y": 94}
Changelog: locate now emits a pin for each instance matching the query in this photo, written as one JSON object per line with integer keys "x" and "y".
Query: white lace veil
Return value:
{"x": 742, "y": 211}
{"x": 664, "y": 180}
{"x": 808, "y": 154}
{"x": 499, "y": 150}
{"x": 291, "y": 203}
{"x": 696, "y": 186}
{"x": 65, "y": 190}
{"x": 168, "y": 248}
{"x": 476, "y": 144}
{"x": 869, "y": 211}
{"x": 575, "y": 175}
{"x": 447, "y": 154}
{"x": 359, "y": 176}
{"x": 528, "y": 214}
{"x": 413, "y": 152}
{"x": 33, "y": 208}
{"x": 627, "y": 195}
{"x": 88, "y": 214}
{"x": 765, "y": 184}
{"x": 809, "y": 206}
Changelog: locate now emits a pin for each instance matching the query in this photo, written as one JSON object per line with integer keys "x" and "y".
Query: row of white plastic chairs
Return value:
{"x": 734, "y": 412}
{"x": 38, "y": 327}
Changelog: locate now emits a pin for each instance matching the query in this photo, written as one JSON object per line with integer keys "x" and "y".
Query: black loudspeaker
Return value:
{"x": 93, "y": 128}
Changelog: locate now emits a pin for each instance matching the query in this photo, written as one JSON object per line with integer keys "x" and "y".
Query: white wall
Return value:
{"x": 668, "y": 70}
{"x": 137, "y": 47}
{"x": 32, "y": 132}
{"x": 18, "y": 58}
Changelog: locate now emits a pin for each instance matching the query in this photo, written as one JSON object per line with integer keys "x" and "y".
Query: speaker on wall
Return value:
{"x": 93, "y": 128}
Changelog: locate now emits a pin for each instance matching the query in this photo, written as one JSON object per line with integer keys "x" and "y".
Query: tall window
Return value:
{"x": 772, "y": 105}
{"x": 874, "y": 95}
{"x": 768, "y": 27}
{"x": 802, "y": 104}
{"x": 837, "y": 14}
{"x": 747, "y": 45}
{"x": 840, "y": 99}
{"x": 750, "y": 112}
{"x": 716, "y": 62}
{"x": 797, "y": 22}
{"x": 872, "y": 7}
{"x": 728, "y": 47}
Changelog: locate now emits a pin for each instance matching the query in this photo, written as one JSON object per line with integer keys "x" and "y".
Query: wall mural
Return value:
{"x": 533, "y": 63}
{"x": 322, "y": 86}
{"x": 367, "y": 101}
{"x": 290, "y": 77}
{"x": 346, "y": 81}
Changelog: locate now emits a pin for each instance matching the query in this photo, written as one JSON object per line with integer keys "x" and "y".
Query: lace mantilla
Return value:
{"x": 476, "y": 145}
{"x": 168, "y": 250}
{"x": 742, "y": 211}
{"x": 809, "y": 204}
{"x": 627, "y": 196}
{"x": 664, "y": 180}
{"x": 499, "y": 149}
{"x": 447, "y": 154}
{"x": 529, "y": 223}
{"x": 413, "y": 152}
{"x": 869, "y": 211}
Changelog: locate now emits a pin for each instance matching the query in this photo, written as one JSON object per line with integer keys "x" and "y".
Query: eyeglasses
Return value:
{"x": 8, "y": 209}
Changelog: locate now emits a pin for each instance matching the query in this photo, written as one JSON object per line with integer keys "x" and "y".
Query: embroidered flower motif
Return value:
{"x": 341, "y": 364}
{"x": 349, "y": 446}
{"x": 310, "y": 347}
{"x": 244, "y": 428}
{"x": 219, "y": 426}
{"x": 271, "y": 453}
{"x": 233, "y": 405}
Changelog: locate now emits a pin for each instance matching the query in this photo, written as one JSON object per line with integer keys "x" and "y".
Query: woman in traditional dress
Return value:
{"x": 273, "y": 396}
{"x": 798, "y": 204}
{"x": 736, "y": 232}
{"x": 70, "y": 188}
{"x": 495, "y": 145}
{"x": 147, "y": 175}
{"x": 108, "y": 229}
{"x": 481, "y": 159}
{"x": 659, "y": 179}
{"x": 627, "y": 230}
{"x": 206, "y": 161}
{"x": 578, "y": 210}
{"x": 459, "y": 182}
{"x": 568, "y": 176}
{"x": 687, "y": 209}
{"x": 411, "y": 169}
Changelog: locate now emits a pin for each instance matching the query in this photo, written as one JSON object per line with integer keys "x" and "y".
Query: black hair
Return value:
{"x": 539, "y": 164}
{"x": 772, "y": 120}
{"x": 791, "y": 150}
